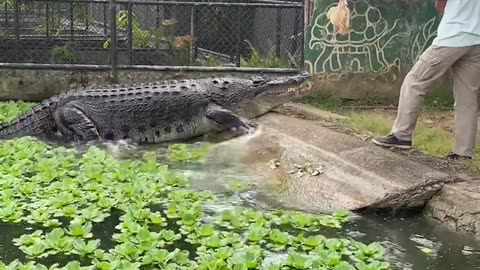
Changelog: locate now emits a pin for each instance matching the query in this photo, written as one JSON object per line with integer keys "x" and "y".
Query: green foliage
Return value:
{"x": 183, "y": 153}
{"x": 6, "y": 4}
{"x": 439, "y": 98}
{"x": 209, "y": 61}
{"x": 162, "y": 224}
{"x": 141, "y": 38}
{"x": 324, "y": 100}
{"x": 10, "y": 110}
{"x": 257, "y": 59}
{"x": 54, "y": 27}
{"x": 64, "y": 54}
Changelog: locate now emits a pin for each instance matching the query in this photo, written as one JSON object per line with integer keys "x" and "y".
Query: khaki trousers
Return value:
{"x": 464, "y": 63}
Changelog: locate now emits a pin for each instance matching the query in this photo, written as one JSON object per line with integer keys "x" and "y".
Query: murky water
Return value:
{"x": 403, "y": 237}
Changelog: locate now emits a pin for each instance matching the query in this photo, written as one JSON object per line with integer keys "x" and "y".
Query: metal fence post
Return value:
{"x": 17, "y": 28}
{"x": 192, "y": 34}
{"x": 113, "y": 39}
{"x": 47, "y": 20}
{"x": 105, "y": 30}
{"x": 302, "y": 41}
{"x": 87, "y": 19}
{"x": 238, "y": 37}
{"x": 72, "y": 19}
{"x": 157, "y": 15}
{"x": 6, "y": 13}
{"x": 296, "y": 23}
{"x": 129, "y": 32}
{"x": 278, "y": 44}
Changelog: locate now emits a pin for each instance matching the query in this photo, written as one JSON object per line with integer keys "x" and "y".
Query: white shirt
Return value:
{"x": 460, "y": 25}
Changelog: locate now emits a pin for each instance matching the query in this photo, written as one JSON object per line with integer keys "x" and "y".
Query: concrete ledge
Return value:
{"x": 458, "y": 206}
{"x": 452, "y": 198}
{"x": 301, "y": 164}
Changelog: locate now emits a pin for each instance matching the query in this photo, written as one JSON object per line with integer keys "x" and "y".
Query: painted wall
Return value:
{"x": 388, "y": 37}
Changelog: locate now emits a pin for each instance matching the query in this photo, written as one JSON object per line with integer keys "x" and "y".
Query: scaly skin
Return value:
{"x": 156, "y": 112}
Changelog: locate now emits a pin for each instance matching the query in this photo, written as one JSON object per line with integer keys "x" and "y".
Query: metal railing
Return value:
{"x": 176, "y": 34}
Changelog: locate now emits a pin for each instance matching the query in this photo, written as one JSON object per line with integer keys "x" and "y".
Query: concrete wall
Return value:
{"x": 388, "y": 37}
{"x": 36, "y": 85}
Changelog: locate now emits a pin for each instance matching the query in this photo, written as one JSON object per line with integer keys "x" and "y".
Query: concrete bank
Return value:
{"x": 458, "y": 206}
{"x": 357, "y": 175}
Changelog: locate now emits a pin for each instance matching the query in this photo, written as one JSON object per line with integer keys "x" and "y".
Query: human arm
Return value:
{"x": 440, "y": 6}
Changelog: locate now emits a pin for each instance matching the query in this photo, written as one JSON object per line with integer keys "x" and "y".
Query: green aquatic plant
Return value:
{"x": 278, "y": 240}
{"x": 184, "y": 153}
{"x": 368, "y": 253}
{"x": 311, "y": 242}
{"x": 373, "y": 266}
{"x": 298, "y": 260}
{"x": 160, "y": 222}
{"x": 9, "y": 110}
{"x": 256, "y": 233}
{"x": 84, "y": 248}
{"x": 79, "y": 229}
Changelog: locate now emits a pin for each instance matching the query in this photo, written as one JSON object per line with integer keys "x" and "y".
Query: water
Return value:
{"x": 403, "y": 237}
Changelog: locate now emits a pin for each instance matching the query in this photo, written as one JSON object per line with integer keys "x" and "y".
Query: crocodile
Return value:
{"x": 157, "y": 111}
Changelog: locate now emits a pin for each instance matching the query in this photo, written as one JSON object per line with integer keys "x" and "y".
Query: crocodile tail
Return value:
{"x": 36, "y": 121}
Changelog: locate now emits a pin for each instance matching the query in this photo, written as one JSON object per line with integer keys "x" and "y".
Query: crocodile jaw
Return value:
{"x": 276, "y": 93}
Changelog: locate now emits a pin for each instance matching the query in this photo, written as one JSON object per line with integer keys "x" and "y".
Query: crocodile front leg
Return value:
{"x": 228, "y": 119}
{"x": 74, "y": 124}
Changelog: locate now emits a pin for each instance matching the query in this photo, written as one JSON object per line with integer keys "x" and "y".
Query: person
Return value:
{"x": 456, "y": 48}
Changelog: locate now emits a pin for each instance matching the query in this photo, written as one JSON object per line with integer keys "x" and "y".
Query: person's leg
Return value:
{"x": 466, "y": 77}
{"x": 433, "y": 63}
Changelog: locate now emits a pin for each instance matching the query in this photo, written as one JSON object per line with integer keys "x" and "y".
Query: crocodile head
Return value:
{"x": 256, "y": 96}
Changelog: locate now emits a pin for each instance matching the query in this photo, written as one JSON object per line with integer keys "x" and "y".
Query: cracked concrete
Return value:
{"x": 458, "y": 206}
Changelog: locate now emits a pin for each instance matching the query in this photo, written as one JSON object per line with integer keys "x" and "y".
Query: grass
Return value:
{"x": 438, "y": 99}
{"x": 430, "y": 139}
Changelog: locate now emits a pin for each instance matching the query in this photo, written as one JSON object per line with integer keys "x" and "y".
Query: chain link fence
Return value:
{"x": 262, "y": 34}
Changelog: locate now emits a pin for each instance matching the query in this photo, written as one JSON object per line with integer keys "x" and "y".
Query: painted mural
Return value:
{"x": 387, "y": 37}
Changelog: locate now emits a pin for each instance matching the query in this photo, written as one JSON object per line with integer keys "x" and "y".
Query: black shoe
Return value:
{"x": 392, "y": 141}
{"x": 454, "y": 156}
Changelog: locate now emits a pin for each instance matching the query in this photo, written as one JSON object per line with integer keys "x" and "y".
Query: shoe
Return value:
{"x": 454, "y": 156}
{"x": 392, "y": 141}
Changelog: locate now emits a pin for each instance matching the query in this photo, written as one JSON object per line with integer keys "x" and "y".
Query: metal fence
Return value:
{"x": 245, "y": 33}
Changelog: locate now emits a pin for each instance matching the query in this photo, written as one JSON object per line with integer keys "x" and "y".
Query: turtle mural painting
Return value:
{"x": 385, "y": 39}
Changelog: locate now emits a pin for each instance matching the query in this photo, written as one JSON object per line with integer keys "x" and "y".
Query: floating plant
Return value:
{"x": 160, "y": 222}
